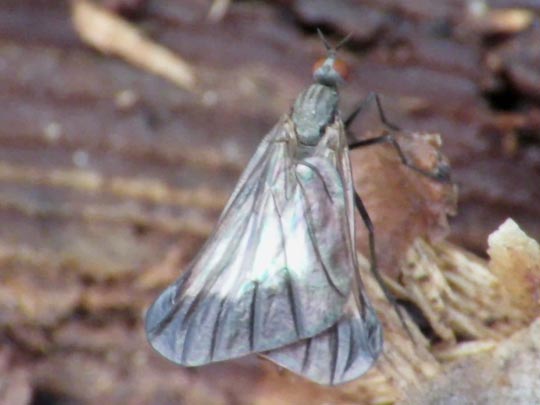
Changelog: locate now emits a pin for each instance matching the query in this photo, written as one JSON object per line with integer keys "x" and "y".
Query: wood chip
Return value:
{"x": 113, "y": 35}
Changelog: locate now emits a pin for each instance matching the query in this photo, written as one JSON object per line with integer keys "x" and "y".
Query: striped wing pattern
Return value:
{"x": 277, "y": 270}
{"x": 341, "y": 353}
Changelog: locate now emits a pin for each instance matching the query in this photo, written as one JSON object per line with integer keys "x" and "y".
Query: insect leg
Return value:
{"x": 442, "y": 173}
{"x": 371, "y": 97}
{"x": 373, "y": 260}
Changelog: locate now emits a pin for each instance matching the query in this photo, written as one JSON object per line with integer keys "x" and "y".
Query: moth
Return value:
{"x": 279, "y": 275}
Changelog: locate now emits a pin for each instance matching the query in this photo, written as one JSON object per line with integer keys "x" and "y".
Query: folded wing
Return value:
{"x": 341, "y": 353}
{"x": 277, "y": 269}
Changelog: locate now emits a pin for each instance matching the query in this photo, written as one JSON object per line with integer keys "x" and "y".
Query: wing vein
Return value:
{"x": 307, "y": 353}
{"x": 351, "y": 351}
{"x": 296, "y": 309}
{"x": 188, "y": 319}
{"x": 163, "y": 323}
{"x": 283, "y": 235}
{"x": 321, "y": 178}
{"x": 308, "y": 218}
{"x": 334, "y": 347}
{"x": 218, "y": 327}
{"x": 254, "y": 319}
{"x": 215, "y": 330}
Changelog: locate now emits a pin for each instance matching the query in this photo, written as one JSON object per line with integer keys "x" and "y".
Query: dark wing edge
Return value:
{"x": 227, "y": 304}
{"x": 340, "y": 354}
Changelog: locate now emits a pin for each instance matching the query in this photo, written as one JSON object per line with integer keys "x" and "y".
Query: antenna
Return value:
{"x": 343, "y": 41}
{"x": 327, "y": 45}
{"x": 325, "y": 42}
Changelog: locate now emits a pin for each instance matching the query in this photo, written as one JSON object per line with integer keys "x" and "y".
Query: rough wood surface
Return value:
{"x": 111, "y": 176}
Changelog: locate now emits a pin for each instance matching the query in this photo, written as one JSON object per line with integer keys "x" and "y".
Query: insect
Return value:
{"x": 279, "y": 275}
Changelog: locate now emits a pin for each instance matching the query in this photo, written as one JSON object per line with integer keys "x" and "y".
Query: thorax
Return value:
{"x": 313, "y": 111}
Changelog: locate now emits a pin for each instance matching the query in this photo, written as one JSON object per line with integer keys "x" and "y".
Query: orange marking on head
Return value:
{"x": 318, "y": 64}
{"x": 340, "y": 66}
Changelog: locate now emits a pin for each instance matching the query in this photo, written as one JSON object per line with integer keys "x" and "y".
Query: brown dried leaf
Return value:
{"x": 402, "y": 203}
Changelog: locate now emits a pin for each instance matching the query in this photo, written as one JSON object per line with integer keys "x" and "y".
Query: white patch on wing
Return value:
{"x": 279, "y": 265}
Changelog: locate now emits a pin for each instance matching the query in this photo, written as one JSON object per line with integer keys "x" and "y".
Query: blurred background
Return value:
{"x": 124, "y": 125}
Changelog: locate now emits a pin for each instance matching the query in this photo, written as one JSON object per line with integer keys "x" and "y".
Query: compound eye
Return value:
{"x": 339, "y": 66}
{"x": 318, "y": 64}
{"x": 342, "y": 68}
